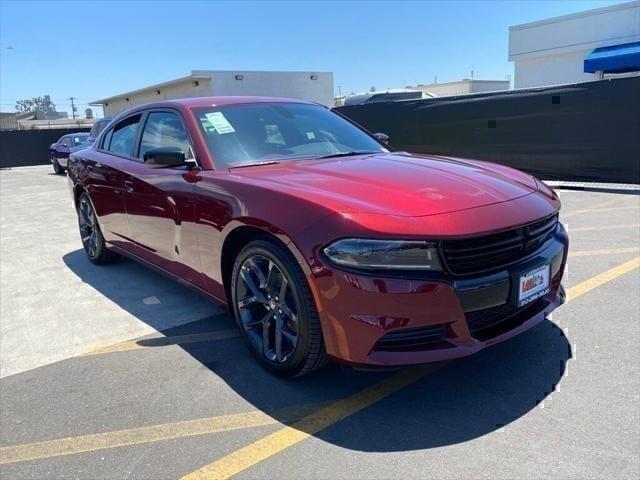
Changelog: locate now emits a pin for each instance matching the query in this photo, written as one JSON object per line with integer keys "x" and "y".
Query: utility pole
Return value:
{"x": 73, "y": 108}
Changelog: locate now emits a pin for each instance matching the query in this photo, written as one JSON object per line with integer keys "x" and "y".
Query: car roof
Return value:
{"x": 198, "y": 102}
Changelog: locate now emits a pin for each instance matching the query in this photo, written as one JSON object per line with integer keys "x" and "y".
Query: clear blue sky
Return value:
{"x": 90, "y": 50}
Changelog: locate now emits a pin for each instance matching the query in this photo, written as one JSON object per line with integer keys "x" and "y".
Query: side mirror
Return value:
{"x": 382, "y": 137}
{"x": 165, "y": 157}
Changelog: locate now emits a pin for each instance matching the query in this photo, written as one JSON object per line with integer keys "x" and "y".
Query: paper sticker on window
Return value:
{"x": 219, "y": 122}
{"x": 311, "y": 136}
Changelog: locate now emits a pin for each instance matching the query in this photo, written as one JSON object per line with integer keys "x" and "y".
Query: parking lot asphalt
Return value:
{"x": 118, "y": 372}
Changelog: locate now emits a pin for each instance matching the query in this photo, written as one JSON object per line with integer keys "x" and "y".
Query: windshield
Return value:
{"x": 80, "y": 138}
{"x": 247, "y": 134}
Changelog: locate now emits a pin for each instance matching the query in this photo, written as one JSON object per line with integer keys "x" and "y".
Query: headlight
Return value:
{"x": 384, "y": 254}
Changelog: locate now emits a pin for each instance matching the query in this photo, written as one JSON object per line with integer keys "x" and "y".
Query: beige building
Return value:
{"x": 468, "y": 85}
{"x": 312, "y": 86}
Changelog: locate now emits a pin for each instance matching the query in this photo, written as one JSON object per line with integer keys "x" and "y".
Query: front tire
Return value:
{"x": 275, "y": 310}
{"x": 92, "y": 240}
{"x": 57, "y": 168}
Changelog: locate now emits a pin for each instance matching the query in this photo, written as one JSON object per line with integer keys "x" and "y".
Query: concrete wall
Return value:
{"x": 298, "y": 85}
{"x": 182, "y": 89}
{"x": 552, "y": 51}
{"x": 463, "y": 87}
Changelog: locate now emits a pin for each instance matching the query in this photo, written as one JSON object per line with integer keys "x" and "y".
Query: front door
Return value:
{"x": 160, "y": 202}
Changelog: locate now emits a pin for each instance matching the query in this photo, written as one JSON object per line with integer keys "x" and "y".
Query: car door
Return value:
{"x": 104, "y": 177}
{"x": 160, "y": 202}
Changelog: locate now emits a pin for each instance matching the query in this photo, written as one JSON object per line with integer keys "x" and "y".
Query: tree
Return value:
{"x": 43, "y": 104}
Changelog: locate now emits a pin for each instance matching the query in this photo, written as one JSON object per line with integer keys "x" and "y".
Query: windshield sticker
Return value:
{"x": 219, "y": 122}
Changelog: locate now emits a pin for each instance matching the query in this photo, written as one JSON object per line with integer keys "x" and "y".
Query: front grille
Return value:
{"x": 411, "y": 338}
{"x": 493, "y": 252}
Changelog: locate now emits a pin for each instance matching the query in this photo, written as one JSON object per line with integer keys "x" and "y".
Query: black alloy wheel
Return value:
{"x": 275, "y": 310}
{"x": 92, "y": 239}
{"x": 57, "y": 168}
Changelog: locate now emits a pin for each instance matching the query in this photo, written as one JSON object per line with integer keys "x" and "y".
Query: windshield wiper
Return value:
{"x": 346, "y": 154}
{"x": 257, "y": 164}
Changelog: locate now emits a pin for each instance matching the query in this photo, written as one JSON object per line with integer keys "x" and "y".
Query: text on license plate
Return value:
{"x": 533, "y": 284}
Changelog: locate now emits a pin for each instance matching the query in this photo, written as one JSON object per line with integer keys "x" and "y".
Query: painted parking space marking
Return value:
{"x": 605, "y": 277}
{"x": 605, "y": 251}
{"x": 603, "y": 207}
{"x": 153, "y": 433}
{"x": 165, "y": 341}
{"x": 605, "y": 227}
{"x": 286, "y": 437}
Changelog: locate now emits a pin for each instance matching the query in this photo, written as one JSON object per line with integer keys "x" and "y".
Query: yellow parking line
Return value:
{"x": 603, "y": 207}
{"x": 594, "y": 282}
{"x": 606, "y": 251}
{"x": 603, "y": 227}
{"x": 153, "y": 433}
{"x": 164, "y": 341}
{"x": 286, "y": 437}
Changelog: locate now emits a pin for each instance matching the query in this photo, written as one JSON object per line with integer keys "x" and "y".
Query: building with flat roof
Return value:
{"x": 462, "y": 87}
{"x": 312, "y": 86}
{"x": 553, "y": 51}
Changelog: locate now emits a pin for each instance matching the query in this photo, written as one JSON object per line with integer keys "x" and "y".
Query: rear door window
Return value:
{"x": 122, "y": 137}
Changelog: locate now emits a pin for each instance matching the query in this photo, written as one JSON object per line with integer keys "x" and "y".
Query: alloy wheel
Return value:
{"x": 267, "y": 307}
{"x": 88, "y": 227}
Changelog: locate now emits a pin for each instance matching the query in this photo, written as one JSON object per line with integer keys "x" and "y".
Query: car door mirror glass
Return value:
{"x": 382, "y": 137}
{"x": 165, "y": 157}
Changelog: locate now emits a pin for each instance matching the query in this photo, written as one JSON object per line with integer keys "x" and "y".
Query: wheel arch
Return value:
{"x": 241, "y": 233}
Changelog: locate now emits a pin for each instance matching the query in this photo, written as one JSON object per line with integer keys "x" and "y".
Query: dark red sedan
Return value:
{"x": 322, "y": 241}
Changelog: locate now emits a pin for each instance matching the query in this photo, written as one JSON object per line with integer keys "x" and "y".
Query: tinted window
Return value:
{"x": 80, "y": 139}
{"x": 164, "y": 129}
{"x": 123, "y": 136}
{"x": 254, "y": 133}
{"x": 98, "y": 126}
{"x": 64, "y": 141}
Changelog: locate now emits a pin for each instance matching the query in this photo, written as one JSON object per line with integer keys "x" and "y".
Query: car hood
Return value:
{"x": 393, "y": 184}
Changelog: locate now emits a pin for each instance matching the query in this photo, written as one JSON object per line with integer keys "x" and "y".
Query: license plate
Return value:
{"x": 534, "y": 284}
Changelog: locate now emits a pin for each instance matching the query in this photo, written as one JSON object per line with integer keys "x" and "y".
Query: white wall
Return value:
{"x": 182, "y": 89}
{"x": 298, "y": 85}
{"x": 463, "y": 87}
{"x": 552, "y": 51}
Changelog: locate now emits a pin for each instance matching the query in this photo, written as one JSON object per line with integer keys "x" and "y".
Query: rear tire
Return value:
{"x": 275, "y": 310}
{"x": 92, "y": 240}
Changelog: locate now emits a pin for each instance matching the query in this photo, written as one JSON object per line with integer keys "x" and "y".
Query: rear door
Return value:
{"x": 160, "y": 201}
{"x": 104, "y": 169}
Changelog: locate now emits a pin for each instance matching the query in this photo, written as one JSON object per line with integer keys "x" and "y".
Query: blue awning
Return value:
{"x": 614, "y": 59}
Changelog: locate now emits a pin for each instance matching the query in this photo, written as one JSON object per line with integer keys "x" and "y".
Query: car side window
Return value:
{"x": 122, "y": 137}
{"x": 64, "y": 141}
{"x": 164, "y": 129}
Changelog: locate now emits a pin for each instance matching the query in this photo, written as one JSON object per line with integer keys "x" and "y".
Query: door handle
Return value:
{"x": 128, "y": 186}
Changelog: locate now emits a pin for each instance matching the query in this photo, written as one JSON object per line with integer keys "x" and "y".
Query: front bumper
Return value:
{"x": 381, "y": 321}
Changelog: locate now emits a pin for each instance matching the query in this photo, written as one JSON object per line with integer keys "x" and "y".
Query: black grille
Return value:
{"x": 411, "y": 338}
{"x": 493, "y": 252}
{"x": 491, "y": 322}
